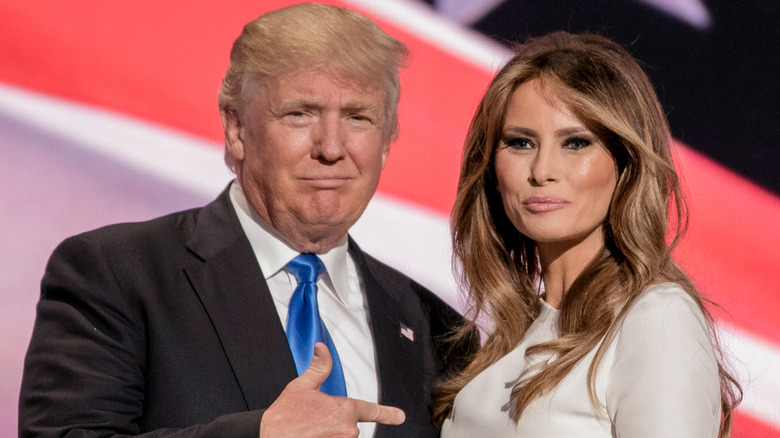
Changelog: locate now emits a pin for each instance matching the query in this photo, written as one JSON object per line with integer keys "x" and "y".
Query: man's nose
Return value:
{"x": 329, "y": 139}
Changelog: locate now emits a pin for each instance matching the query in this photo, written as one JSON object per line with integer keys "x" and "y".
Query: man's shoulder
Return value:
{"x": 452, "y": 352}
{"x": 381, "y": 270}
{"x": 152, "y": 230}
{"x": 391, "y": 277}
{"x": 406, "y": 290}
{"x": 177, "y": 226}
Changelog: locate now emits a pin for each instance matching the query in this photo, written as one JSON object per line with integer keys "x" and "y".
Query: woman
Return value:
{"x": 561, "y": 225}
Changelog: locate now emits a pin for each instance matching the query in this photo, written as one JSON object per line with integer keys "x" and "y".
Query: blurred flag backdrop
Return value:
{"x": 108, "y": 113}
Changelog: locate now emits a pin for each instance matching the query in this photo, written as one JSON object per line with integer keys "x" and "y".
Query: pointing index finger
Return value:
{"x": 375, "y": 413}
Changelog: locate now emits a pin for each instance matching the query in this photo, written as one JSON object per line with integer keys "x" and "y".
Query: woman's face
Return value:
{"x": 555, "y": 177}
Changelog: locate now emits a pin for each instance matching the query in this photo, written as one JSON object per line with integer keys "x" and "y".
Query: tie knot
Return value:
{"x": 306, "y": 268}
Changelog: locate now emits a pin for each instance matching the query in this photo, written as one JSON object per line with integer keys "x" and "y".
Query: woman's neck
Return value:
{"x": 563, "y": 262}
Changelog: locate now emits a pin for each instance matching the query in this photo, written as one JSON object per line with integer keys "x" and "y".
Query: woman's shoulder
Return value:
{"x": 663, "y": 371}
{"x": 665, "y": 312}
{"x": 664, "y": 299}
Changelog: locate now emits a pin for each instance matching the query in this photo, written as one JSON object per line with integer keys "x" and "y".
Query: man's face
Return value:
{"x": 309, "y": 148}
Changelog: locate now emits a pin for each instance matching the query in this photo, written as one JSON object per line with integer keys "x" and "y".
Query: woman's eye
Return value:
{"x": 577, "y": 143}
{"x": 518, "y": 143}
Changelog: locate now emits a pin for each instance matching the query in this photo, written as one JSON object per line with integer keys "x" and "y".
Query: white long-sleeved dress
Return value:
{"x": 658, "y": 379}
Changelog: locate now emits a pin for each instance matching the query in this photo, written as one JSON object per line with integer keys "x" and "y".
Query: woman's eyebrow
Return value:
{"x": 521, "y": 130}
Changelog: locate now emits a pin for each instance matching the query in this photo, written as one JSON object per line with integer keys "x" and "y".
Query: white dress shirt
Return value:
{"x": 658, "y": 379}
{"x": 340, "y": 297}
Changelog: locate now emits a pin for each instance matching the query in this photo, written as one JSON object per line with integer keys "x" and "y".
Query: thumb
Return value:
{"x": 318, "y": 371}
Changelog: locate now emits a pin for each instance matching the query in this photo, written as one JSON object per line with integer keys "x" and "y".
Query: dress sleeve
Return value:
{"x": 664, "y": 379}
{"x": 84, "y": 372}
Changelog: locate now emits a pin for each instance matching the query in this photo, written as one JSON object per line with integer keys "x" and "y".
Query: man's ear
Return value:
{"x": 234, "y": 132}
{"x": 385, "y": 151}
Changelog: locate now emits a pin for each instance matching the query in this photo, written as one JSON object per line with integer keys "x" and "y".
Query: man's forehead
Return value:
{"x": 356, "y": 104}
{"x": 317, "y": 87}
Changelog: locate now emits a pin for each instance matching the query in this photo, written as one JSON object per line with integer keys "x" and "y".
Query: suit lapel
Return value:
{"x": 234, "y": 293}
{"x": 400, "y": 374}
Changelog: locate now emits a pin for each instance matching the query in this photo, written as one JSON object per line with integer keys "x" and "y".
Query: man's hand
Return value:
{"x": 301, "y": 410}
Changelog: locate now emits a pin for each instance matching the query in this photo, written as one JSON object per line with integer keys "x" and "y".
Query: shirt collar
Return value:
{"x": 276, "y": 253}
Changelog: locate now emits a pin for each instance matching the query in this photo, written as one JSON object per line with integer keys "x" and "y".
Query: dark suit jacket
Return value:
{"x": 167, "y": 327}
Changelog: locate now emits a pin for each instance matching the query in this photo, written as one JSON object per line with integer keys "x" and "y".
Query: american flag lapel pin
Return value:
{"x": 407, "y": 332}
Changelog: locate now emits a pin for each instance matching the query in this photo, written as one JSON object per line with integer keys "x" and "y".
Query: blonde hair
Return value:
{"x": 315, "y": 36}
{"x": 602, "y": 84}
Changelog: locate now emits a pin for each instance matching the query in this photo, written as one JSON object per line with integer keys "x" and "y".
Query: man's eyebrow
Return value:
{"x": 298, "y": 103}
{"x": 348, "y": 107}
{"x": 358, "y": 107}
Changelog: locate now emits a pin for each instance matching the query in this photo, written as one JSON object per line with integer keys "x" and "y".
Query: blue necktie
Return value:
{"x": 304, "y": 325}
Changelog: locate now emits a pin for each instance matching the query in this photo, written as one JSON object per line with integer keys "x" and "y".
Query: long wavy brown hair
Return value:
{"x": 604, "y": 86}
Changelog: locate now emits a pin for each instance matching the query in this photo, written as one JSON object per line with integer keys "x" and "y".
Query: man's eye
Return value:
{"x": 360, "y": 118}
{"x": 358, "y": 121}
{"x": 297, "y": 118}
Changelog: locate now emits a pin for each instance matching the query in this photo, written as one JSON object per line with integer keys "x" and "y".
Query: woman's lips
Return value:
{"x": 541, "y": 204}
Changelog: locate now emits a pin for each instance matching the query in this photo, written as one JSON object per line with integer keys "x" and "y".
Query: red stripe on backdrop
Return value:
{"x": 163, "y": 63}
{"x": 746, "y": 426}
{"x": 150, "y": 59}
{"x": 732, "y": 250}
{"x": 439, "y": 95}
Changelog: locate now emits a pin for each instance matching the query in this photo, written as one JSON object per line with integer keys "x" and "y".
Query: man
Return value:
{"x": 188, "y": 325}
